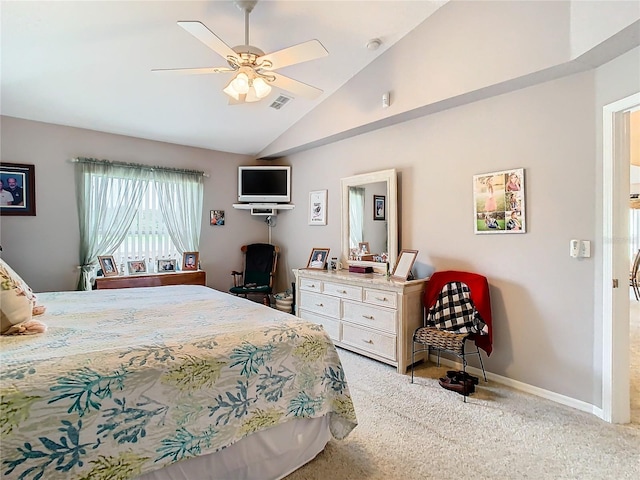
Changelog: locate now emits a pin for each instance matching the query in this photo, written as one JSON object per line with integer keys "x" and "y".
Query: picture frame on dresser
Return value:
{"x": 318, "y": 258}
{"x": 404, "y": 264}
{"x": 108, "y": 265}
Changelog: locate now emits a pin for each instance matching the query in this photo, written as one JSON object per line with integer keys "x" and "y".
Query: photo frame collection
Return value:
{"x": 18, "y": 193}
{"x": 499, "y": 202}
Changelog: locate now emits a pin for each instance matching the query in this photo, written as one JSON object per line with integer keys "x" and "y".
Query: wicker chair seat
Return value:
{"x": 441, "y": 339}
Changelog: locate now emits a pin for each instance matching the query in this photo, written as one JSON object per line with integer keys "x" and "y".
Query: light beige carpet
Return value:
{"x": 421, "y": 431}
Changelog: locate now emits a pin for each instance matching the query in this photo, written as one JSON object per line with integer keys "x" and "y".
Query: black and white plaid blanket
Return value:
{"x": 454, "y": 311}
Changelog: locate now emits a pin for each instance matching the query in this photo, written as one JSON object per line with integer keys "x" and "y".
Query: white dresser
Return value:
{"x": 367, "y": 313}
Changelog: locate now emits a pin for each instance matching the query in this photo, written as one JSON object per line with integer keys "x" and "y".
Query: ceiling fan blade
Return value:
{"x": 193, "y": 71}
{"x": 206, "y": 36}
{"x": 303, "y": 52}
{"x": 295, "y": 87}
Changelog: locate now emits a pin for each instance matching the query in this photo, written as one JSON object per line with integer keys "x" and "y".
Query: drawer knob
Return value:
{"x": 368, "y": 341}
{"x": 382, "y": 299}
{"x": 369, "y": 317}
{"x": 342, "y": 291}
{"x": 319, "y": 305}
{"x": 312, "y": 285}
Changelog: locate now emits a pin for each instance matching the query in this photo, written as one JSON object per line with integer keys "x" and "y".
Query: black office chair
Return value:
{"x": 260, "y": 261}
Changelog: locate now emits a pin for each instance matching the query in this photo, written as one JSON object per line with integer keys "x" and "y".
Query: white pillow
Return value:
{"x": 16, "y": 299}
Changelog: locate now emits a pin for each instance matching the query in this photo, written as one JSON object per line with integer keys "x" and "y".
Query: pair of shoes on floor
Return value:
{"x": 459, "y": 376}
{"x": 458, "y": 385}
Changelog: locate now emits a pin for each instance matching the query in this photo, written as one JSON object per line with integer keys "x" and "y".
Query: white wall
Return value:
{"x": 44, "y": 249}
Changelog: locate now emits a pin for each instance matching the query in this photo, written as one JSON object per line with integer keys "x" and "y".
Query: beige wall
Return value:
{"x": 44, "y": 249}
{"x": 546, "y": 305}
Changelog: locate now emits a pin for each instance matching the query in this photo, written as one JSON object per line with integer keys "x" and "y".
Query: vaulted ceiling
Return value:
{"x": 88, "y": 64}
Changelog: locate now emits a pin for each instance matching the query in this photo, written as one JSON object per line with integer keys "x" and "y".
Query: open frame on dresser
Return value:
{"x": 357, "y": 193}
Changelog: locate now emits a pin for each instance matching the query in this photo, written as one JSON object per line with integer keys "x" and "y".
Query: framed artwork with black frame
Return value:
{"x": 379, "y": 207}
{"x": 18, "y": 192}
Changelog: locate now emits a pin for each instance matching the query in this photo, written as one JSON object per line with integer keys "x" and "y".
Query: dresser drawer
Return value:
{"x": 380, "y": 297}
{"x": 343, "y": 291}
{"x": 332, "y": 327}
{"x": 310, "y": 285}
{"x": 323, "y": 304}
{"x": 370, "y": 316}
{"x": 364, "y": 339}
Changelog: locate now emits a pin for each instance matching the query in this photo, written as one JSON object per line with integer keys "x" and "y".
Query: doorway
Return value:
{"x": 615, "y": 260}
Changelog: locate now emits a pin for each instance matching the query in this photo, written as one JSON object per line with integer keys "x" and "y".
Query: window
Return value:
{"x": 136, "y": 212}
{"x": 148, "y": 237}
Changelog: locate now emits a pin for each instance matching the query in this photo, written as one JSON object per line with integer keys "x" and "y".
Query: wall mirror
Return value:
{"x": 370, "y": 220}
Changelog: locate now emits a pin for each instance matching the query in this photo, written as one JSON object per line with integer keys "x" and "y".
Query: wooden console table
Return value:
{"x": 198, "y": 277}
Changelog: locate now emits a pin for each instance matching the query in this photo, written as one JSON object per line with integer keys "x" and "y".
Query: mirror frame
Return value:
{"x": 391, "y": 178}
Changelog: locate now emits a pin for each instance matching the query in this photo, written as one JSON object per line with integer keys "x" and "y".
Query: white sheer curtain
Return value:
{"x": 180, "y": 197}
{"x": 356, "y": 216}
{"x": 108, "y": 197}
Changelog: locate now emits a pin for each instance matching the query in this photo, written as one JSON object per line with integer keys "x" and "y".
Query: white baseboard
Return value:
{"x": 524, "y": 387}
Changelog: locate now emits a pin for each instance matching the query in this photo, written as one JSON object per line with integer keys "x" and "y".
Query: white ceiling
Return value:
{"x": 88, "y": 64}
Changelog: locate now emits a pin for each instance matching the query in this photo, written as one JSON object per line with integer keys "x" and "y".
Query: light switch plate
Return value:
{"x": 585, "y": 248}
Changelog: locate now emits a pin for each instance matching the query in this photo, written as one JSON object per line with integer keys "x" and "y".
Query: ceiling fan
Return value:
{"x": 254, "y": 70}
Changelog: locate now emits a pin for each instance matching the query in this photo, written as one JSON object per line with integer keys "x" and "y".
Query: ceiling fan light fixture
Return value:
{"x": 229, "y": 90}
{"x": 261, "y": 87}
{"x": 241, "y": 83}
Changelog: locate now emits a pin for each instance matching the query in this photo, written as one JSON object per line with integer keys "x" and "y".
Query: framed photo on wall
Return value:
{"x": 216, "y": 217}
{"x": 318, "y": 207}
{"x": 499, "y": 202}
{"x": 18, "y": 192}
{"x": 379, "y": 207}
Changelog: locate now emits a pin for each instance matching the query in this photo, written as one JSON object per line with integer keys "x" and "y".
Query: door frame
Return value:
{"x": 615, "y": 260}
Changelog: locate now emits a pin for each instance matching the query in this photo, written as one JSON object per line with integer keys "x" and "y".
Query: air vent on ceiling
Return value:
{"x": 280, "y": 102}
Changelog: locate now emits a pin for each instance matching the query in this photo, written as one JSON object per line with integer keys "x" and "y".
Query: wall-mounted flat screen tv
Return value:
{"x": 264, "y": 184}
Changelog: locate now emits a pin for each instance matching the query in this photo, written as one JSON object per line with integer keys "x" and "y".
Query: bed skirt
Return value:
{"x": 265, "y": 455}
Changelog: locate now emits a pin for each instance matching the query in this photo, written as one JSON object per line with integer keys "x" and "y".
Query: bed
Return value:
{"x": 173, "y": 382}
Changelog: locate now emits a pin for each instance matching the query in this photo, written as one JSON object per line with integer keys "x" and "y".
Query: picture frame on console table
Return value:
{"x": 137, "y": 267}
{"x": 190, "y": 260}
{"x": 404, "y": 264}
{"x": 108, "y": 265}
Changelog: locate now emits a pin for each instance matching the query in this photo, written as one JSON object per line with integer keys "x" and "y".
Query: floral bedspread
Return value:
{"x": 127, "y": 381}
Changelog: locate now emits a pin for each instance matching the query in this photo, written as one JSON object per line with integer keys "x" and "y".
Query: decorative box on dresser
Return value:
{"x": 366, "y": 313}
